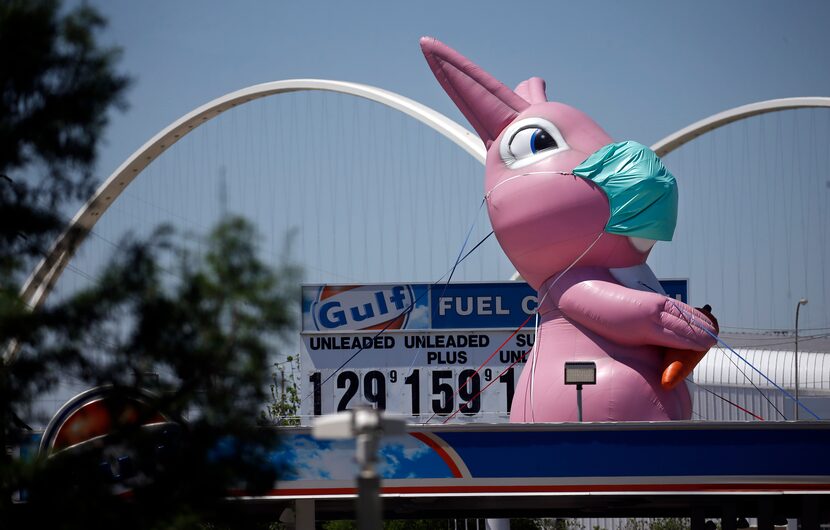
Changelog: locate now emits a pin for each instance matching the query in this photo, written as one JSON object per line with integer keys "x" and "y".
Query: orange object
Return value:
{"x": 678, "y": 364}
{"x": 102, "y": 417}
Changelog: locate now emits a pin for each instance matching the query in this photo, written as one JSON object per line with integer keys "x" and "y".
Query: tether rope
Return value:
{"x": 751, "y": 382}
{"x": 532, "y": 314}
{"x": 406, "y": 311}
{"x": 728, "y": 401}
{"x": 693, "y": 321}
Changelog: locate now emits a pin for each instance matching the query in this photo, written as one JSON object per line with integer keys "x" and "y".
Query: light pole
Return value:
{"x": 580, "y": 373}
{"x": 367, "y": 426}
{"x": 800, "y": 303}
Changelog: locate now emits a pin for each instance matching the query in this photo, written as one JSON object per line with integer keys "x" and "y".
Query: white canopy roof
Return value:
{"x": 723, "y": 368}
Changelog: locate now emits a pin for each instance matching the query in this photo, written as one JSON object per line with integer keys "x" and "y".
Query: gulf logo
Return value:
{"x": 92, "y": 424}
{"x": 94, "y": 414}
{"x": 361, "y": 307}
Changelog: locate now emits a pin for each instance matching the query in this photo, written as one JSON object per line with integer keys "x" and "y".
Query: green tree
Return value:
{"x": 546, "y": 524}
{"x": 57, "y": 85}
{"x": 661, "y": 523}
{"x": 207, "y": 334}
{"x": 670, "y": 523}
{"x": 284, "y": 405}
{"x": 400, "y": 524}
{"x": 206, "y": 324}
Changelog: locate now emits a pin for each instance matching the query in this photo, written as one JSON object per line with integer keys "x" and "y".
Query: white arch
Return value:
{"x": 686, "y": 134}
{"x": 40, "y": 282}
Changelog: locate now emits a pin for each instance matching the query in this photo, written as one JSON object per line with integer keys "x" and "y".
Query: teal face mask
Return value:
{"x": 641, "y": 191}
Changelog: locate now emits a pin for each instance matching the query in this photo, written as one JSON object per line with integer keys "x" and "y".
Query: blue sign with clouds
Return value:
{"x": 421, "y": 306}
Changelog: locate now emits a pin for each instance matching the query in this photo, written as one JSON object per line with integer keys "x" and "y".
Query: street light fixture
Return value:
{"x": 580, "y": 373}
{"x": 367, "y": 426}
{"x": 800, "y": 303}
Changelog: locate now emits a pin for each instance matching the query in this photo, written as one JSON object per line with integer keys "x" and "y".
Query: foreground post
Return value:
{"x": 367, "y": 426}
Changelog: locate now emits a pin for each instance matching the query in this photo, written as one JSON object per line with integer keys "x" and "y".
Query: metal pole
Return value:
{"x": 368, "y": 483}
{"x": 795, "y": 354}
{"x": 579, "y": 401}
{"x": 800, "y": 303}
{"x": 367, "y": 426}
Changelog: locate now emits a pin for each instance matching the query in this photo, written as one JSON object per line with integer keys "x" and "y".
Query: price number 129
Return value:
{"x": 442, "y": 384}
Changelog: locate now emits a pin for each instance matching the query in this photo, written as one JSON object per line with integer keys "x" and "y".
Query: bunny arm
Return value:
{"x": 589, "y": 296}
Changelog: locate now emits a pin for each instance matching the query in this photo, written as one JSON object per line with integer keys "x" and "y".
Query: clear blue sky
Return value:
{"x": 642, "y": 69}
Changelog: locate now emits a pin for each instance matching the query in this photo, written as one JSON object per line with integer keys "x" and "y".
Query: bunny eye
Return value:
{"x": 530, "y": 141}
{"x": 527, "y": 141}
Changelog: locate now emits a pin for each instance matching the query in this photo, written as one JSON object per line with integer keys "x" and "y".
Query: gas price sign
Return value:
{"x": 434, "y": 340}
{"x": 425, "y": 361}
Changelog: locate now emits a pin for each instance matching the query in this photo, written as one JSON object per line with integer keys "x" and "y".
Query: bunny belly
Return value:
{"x": 628, "y": 380}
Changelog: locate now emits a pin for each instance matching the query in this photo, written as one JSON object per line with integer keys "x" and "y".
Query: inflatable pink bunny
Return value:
{"x": 577, "y": 215}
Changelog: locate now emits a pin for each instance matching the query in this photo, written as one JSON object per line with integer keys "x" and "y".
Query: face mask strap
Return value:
{"x": 514, "y": 177}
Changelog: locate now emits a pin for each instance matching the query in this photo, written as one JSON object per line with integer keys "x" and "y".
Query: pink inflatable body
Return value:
{"x": 599, "y": 301}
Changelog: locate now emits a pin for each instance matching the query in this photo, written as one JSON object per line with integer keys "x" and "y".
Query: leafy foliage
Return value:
{"x": 662, "y": 523}
{"x": 199, "y": 329}
{"x": 546, "y": 524}
{"x": 57, "y": 85}
{"x": 284, "y": 405}
{"x": 207, "y": 334}
{"x": 401, "y": 524}
{"x": 442, "y": 524}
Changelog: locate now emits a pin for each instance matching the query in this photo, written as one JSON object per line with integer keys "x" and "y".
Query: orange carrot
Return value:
{"x": 678, "y": 364}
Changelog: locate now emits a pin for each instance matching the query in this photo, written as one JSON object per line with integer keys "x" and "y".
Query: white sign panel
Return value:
{"x": 426, "y": 352}
{"x": 415, "y": 350}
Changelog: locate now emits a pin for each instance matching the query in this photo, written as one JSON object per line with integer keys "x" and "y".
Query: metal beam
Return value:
{"x": 686, "y": 134}
{"x": 41, "y": 281}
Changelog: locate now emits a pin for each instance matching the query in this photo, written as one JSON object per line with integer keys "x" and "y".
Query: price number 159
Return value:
{"x": 375, "y": 387}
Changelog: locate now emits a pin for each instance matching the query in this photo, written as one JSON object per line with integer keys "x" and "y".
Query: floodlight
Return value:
{"x": 580, "y": 373}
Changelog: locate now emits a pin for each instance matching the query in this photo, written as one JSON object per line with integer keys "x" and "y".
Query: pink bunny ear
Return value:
{"x": 487, "y": 103}
{"x": 532, "y": 90}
